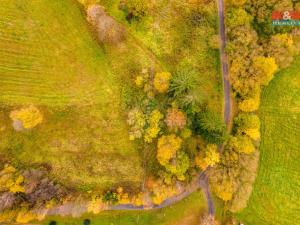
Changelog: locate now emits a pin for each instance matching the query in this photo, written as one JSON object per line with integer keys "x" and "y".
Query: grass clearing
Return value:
{"x": 276, "y": 195}
{"x": 49, "y": 58}
{"x": 185, "y": 212}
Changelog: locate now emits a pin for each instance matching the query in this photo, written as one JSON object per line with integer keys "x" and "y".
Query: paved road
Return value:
{"x": 224, "y": 65}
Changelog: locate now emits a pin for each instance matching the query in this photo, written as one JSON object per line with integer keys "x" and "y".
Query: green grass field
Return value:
{"x": 49, "y": 58}
{"x": 186, "y": 212}
{"x": 275, "y": 198}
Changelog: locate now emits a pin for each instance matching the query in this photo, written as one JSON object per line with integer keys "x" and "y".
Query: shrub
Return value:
{"x": 136, "y": 8}
{"x": 86, "y": 222}
{"x": 136, "y": 120}
{"x": 110, "y": 197}
{"x": 162, "y": 81}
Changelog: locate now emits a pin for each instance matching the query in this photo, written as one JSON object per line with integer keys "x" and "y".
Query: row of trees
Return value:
{"x": 22, "y": 192}
{"x": 256, "y": 52}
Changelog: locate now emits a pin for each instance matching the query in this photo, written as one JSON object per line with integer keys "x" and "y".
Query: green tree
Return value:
{"x": 211, "y": 127}
{"x": 237, "y": 17}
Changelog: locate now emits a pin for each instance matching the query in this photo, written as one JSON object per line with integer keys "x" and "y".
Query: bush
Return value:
{"x": 136, "y": 8}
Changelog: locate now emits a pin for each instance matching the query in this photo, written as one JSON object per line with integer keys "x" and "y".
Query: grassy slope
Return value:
{"x": 49, "y": 58}
{"x": 186, "y": 212}
{"x": 276, "y": 195}
{"x": 166, "y": 35}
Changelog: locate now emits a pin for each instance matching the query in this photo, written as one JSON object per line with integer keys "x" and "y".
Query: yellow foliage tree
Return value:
{"x": 265, "y": 67}
{"x": 11, "y": 180}
{"x": 161, "y": 192}
{"x": 167, "y": 147}
{"x": 210, "y": 157}
{"x": 224, "y": 189}
{"x": 25, "y": 216}
{"x": 242, "y": 144}
{"x": 250, "y": 104}
{"x": 95, "y": 205}
{"x": 152, "y": 131}
{"x": 7, "y": 216}
{"x": 162, "y": 81}
{"x": 29, "y": 116}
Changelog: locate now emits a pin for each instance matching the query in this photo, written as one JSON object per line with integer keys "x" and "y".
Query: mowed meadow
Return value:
{"x": 276, "y": 195}
{"x": 49, "y": 58}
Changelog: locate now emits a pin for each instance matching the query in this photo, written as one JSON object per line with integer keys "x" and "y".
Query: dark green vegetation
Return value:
{"x": 186, "y": 212}
{"x": 275, "y": 198}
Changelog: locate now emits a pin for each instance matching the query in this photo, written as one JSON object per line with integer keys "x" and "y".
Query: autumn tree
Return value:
{"x": 248, "y": 124}
{"x": 29, "y": 117}
{"x": 282, "y": 48}
{"x": 153, "y": 125}
{"x": 179, "y": 165}
{"x": 209, "y": 157}
{"x": 241, "y": 144}
{"x": 162, "y": 81}
{"x": 167, "y": 147}
{"x": 251, "y": 102}
{"x": 237, "y": 17}
{"x": 265, "y": 68}
{"x": 11, "y": 180}
{"x": 175, "y": 119}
